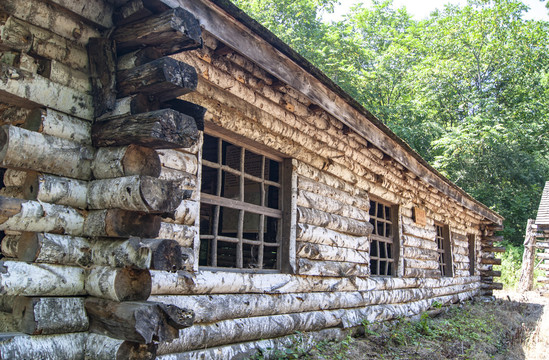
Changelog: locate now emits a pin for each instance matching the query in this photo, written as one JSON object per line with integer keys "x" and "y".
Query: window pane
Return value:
{"x": 380, "y": 211}
{"x": 372, "y": 208}
{"x": 379, "y": 230}
{"x": 206, "y": 219}
{"x": 388, "y": 213}
{"x": 373, "y": 267}
{"x": 250, "y": 256}
{"x": 231, "y": 155}
{"x": 253, "y": 163}
{"x": 252, "y": 192}
{"x": 231, "y": 186}
{"x": 271, "y": 230}
{"x": 205, "y": 253}
{"x": 209, "y": 180}
{"x": 273, "y": 197}
{"x": 209, "y": 149}
{"x": 270, "y": 257}
{"x": 226, "y": 254}
{"x": 272, "y": 170}
{"x": 251, "y": 226}
{"x": 228, "y": 220}
{"x": 373, "y": 248}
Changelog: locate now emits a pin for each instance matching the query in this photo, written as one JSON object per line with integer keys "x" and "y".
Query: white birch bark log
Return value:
{"x": 412, "y": 241}
{"x": 20, "y": 278}
{"x": 121, "y": 223}
{"x": 65, "y": 75}
{"x": 118, "y": 284}
{"x": 333, "y": 222}
{"x": 187, "y": 182}
{"x": 100, "y": 347}
{"x": 360, "y": 201}
{"x": 14, "y": 177}
{"x": 410, "y": 272}
{"x": 58, "y": 124}
{"x": 421, "y": 264}
{"x": 178, "y": 160}
{"x": 331, "y": 253}
{"x": 331, "y": 268}
{"x": 186, "y": 213}
{"x": 10, "y": 245}
{"x": 26, "y": 89}
{"x": 54, "y": 249}
{"x": 39, "y": 217}
{"x": 315, "y": 201}
{"x": 419, "y": 254}
{"x": 114, "y": 162}
{"x": 324, "y": 236}
{"x": 427, "y": 233}
{"x": 135, "y": 193}
{"x": 183, "y": 234}
{"x": 50, "y": 315}
{"x": 56, "y": 190}
{"x": 19, "y": 346}
{"x": 24, "y": 149}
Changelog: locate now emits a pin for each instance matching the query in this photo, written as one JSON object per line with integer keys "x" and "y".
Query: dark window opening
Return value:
{"x": 382, "y": 242}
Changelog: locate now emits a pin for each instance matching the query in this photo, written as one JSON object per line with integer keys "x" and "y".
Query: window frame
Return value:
{"x": 444, "y": 250}
{"x": 395, "y": 237}
{"x": 286, "y": 214}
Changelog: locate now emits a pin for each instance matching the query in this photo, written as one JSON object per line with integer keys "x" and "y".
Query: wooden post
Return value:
{"x": 161, "y": 129}
{"x": 526, "y": 280}
{"x": 102, "y": 58}
{"x": 142, "y": 322}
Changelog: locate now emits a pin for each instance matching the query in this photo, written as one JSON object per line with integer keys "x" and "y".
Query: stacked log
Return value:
{"x": 83, "y": 200}
{"x": 487, "y": 259}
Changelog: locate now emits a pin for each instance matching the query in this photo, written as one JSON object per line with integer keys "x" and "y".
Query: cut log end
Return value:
{"x": 133, "y": 284}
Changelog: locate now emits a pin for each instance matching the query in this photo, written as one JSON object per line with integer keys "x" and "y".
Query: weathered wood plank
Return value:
{"x": 102, "y": 59}
{"x": 137, "y": 9}
{"x": 165, "y": 78}
{"x": 96, "y": 11}
{"x": 161, "y": 129}
{"x": 188, "y": 108}
{"x": 133, "y": 104}
{"x": 170, "y": 32}
{"x": 141, "y": 322}
{"x": 21, "y": 88}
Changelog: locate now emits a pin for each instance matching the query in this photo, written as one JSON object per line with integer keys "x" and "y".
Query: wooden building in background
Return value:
{"x": 180, "y": 184}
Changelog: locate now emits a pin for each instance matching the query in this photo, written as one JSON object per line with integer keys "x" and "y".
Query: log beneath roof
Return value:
{"x": 24, "y": 149}
{"x": 333, "y": 222}
{"x": 57, "y": 190}
{"x": 130, "y": 105}
{"x": 170, "y": 32}
{"x": 136, "y": 193}
{"x": 142, "y": 322}
{"x": 138, "y": 57}
{"x": 21, "y": 346}
{"x": 102, "y": 59}
{"x": 158, "y": 254}
{"x": 22, "y": 215}
{"x": 165, "y": 78}
{"x": 96, "y": 11}
{"x": 161, "y": 129}
{"x": 21, "y": 88}
{"x": 50, "y": 315}
{"x": 118, "y": 284}
{"x": 58, "y": 124}
{"x": 188, "y": 108}
{"x": 134, "y": 10}
{"x": 114, "y": 162}
{"x": 121, "y": 223}
{"x": 100, "y": 347}
{"x": 20, "y": 278}
{"x": 27, "y": 38}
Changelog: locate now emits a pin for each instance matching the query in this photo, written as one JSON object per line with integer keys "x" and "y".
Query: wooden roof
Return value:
{"x": 543, "y": 210}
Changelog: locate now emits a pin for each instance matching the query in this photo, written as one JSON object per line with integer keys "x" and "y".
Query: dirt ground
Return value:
{"x": 511, "y": 327}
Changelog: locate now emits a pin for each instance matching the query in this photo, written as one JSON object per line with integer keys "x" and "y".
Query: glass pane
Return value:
{"x": 250, "y": 256}
{"x": 252, "y": 192}
{"x": 372, "y": 208}
{"x": 380, "y": 210}
{"x": 228, "y": 220}
{"x": 382, "y": 267}
{"x": 206, "y": 219}
{"x": 226, "y": 254}
{"x": 388, "y": 230}
{"x": 271, "y": 230}
{"x": 373, "y": 267}
{"x": 382, "y": 250}
{"x": 373, "y": 248}
{"x": 389, "y": 251}
{"x": 205, "y": 252}
{"x": 231, "y": 155}
{"x": 273, "y": 197}
{"x": 253, "y": 163}
{"x": 209, "y": 180}
{"x": 390, "y": 268}
{"x": 387, "y": 213}
{"x": 251, "y": 226}
{"x": 231, "y": 186}
{"x": 209, "y": 149}
{"x": 380, "y": 227}
{"x": 270, "y": 257}
{"x": 272, "y": 170}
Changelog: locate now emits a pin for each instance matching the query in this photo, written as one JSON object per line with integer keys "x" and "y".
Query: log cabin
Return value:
{"x": 177, "y": 183}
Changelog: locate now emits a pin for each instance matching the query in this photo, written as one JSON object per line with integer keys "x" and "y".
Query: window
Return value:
{"x": 444, "y": 250}
{"x": 384, "y": 239}
{"x": 240, "y": 207}
{"x": 472, "y": 254}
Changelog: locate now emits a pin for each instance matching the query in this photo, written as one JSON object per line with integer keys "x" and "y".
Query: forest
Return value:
{"x": 467, "y": 87}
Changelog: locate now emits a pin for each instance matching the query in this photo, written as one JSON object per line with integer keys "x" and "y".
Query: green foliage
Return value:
{"x": 511, "y": 261}
{"x": 468, "y": 88}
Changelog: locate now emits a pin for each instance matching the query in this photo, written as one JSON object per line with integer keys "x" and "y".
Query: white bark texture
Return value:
{"x": 320, "y": 202}
{"x": 43, "y": 217}
{"x": 186, "y": 213}
{"x": 24, "y": 149}
{"x": 114, "y": 162}
{"x": 118, "y": 284}
{"x": 324, "y": 236}
{"x": 183, "y": 234}
{"x": 333, "y": 222}
{"x": 58, "y": 124}
{"x": 178, "y": 160}
{"x": 44, "y": 347}
{"x": 54, "y": 249}
{"x": 331, "y": 253}
{"x": 57, "y": 190}
{"x": 99, "y": 347}
{"x": 20, "y": 278}
{"x": 331, "y": 268}
{"x": 50, "y": 315}
{"x": 359, "y": 200}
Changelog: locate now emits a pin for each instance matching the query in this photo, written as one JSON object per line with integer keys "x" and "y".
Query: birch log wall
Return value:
{"x": 103, "y": 107}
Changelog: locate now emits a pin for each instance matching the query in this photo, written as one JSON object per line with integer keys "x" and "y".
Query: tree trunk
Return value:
{"x": 114, "y": 162}
{"x": 55, "y": 123}
{"x": 142, "y": 322}
{"x": 50, "y": 315}
{"x": 29, "y": 150}
{"x": 161, "y": 129}
{"x": 56, "y": 190}
{"x": 118, "y": 284}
